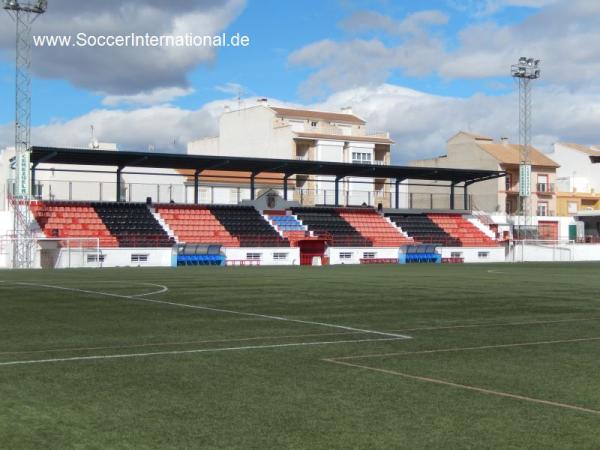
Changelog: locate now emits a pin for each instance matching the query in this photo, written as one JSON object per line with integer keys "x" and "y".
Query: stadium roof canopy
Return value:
{"x": 51, "y": 155}
{"x": 255, "y": 166}
{"x": 595, "y": 159}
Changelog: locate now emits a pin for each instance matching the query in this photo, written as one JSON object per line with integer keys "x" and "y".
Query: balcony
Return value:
{"x": 543, "y": 212}
{"x": 545, "y": 188}
{"x": 378, "y": 134}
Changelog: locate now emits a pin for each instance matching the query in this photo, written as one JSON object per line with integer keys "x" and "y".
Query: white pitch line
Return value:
{"x": 183, "y": 352}
{"x": 227, "y": 311}
{"x": 162, "y": 290}
{"x": 467, "y": 387}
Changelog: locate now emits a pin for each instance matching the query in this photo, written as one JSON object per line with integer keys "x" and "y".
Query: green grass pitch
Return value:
{"x": 500, "y": 356}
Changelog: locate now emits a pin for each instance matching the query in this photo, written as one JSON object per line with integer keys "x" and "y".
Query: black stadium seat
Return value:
{"x": 326, "y": 222}
{"x": 133, "y": 225}
{"x": 423, "y": 229}
{"x": 248, "y": 225}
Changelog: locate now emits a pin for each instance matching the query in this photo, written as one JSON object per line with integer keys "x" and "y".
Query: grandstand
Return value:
{"x": 130, "y": 233}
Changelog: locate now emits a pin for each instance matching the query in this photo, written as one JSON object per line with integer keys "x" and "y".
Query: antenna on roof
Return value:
{"x": 94, "y": 145}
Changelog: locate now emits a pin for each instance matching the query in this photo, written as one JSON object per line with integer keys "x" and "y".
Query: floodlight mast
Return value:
{"x": 525, "y": 71}
{"x": 24, "y": 14}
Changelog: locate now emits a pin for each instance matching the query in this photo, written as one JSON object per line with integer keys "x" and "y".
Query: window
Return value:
{"x": 369, "y": 255}
{"x": 508, "y": 180}
{"x": 314, "y": 124}
{"x": 203, "y": 195}
{"x": 95, "y": 258}
{"x": 139, "y": 257}
{"x": 344, "y": 256}
{"x": 483, "y": 255}
{"x": 280, "y": 256}
{"x": 572, "y": 207}
{"x": 542, "y": 209}
{"x": 253, "y": 256}
{"x": 543, "y": 185}
{"x": 361, "y": 158}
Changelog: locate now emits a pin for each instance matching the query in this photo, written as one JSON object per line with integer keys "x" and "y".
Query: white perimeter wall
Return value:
{"x": 558, "y": 252}
{"x": 116, "y": 257}
{"x": 266, "y": 255}
{"x": 356, "y": 254}
{"x": 476, "y": 254}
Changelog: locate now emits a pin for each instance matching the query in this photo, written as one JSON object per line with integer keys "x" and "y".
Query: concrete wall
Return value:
{"x": 462, "y": 154}
{"x": 558, "y": 252}
{"x": 78, "y": 257}
{"x": 356, "y": 254}
{"x": 576, "y": 170}
{"x": 266, "y": 255}
{"x": 116, "y": 257}
{"x": 475, "y": 254}
{"x": 248, "y": 132}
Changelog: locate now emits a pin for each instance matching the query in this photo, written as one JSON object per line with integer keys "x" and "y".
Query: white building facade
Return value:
{"x": 284, "y": 133}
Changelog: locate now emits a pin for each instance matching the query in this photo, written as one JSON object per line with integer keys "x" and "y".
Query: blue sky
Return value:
{"x": 406, "y": 66}
{"x": 276, "y": 29}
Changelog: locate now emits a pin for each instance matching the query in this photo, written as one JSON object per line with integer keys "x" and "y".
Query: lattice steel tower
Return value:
{"x": 24, "y": 14}
{"x": 525, "y": 71}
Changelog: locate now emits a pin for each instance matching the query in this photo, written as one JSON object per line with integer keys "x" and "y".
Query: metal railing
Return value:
{"x": 545, "y": 188}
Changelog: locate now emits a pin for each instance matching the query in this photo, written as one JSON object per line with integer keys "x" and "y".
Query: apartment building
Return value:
{"x": 467, "y": 150}
{"x": 267, "y": 131}
{"x": 577, "y": 178}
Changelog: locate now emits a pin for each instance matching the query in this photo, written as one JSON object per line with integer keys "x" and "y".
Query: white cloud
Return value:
{"x": 230, "y": 88}
{"x": 413, "y": 23}
{"x": 420, "y": 123}
{"x": 563, "y": 34}
{"x": 125, "y": 70}
{"x": 154, "y": 97}
{"x": 166, "y": 128}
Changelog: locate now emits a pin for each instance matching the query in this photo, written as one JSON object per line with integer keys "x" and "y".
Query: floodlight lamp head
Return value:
{"x": 522, "y": 60}
{"x": 10, "y": 4}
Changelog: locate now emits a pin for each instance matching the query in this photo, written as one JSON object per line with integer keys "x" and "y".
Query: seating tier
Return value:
{"x": 196, "y": 224}
{"x": 374, "y": 227}
{"x": 247, "y": 225}
{"x": 327, "y": 223}
{"x": 463, "y": 230}
{"x": 72, "y": 220}
{"x": 133, "y": 225}
{"x": 422, "y": 229}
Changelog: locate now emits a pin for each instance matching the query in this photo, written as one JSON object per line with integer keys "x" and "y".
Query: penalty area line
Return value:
{"x": 220, "y": 310}
{"x": 185, "y": 352}
{"x": 467, "y": 387}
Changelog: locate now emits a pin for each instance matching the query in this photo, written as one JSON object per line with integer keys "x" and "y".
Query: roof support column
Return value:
{"x": 33, "y": 192}
{"x": 397, "y": 203}
{"x": 466, "y": 196}
{"x": 285, "y": 185}
{"x": 253, "y": 186}
{"x": 337, "y": 190}
{"x": 196, "y": 185}
{"x": 119, "y": 170}
{"x": 452, "y": 195}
